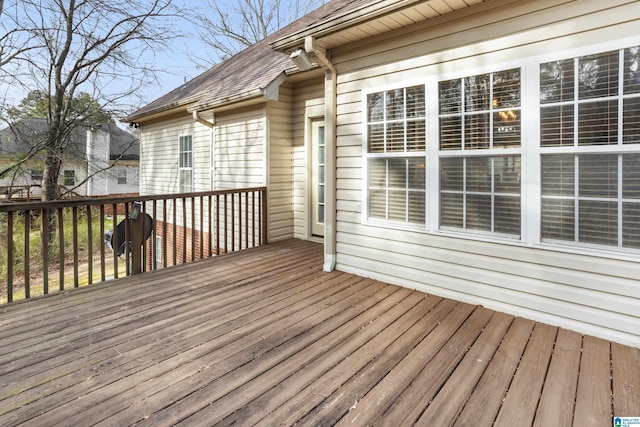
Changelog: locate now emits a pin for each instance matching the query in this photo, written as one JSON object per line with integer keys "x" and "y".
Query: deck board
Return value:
{"x": 265, "y": 337}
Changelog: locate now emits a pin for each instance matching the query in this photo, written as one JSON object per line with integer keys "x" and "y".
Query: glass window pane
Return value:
{"x": 375, "y": 104}
{"x": 477, "y": 131}
{"x": 598, "y": 222}
{"x": 557, "y": 126}
{"x": 631, "y": 225}
{"x": 395, "y": 136}
{"x": 417, "y": 174}
{"x": 377, "y": 172}
{"x": 598, "y": 123}
{"x": 506, "y": 129}
{"x": 451, "y": 133}
{"x": 415, "y": 102}
{"x": 598, "y": 176}
{"x": 598, "y": 75}
{"x": 631, "y": 121}
{"x": 416, "y": 135}
{"x": 450, "y": 93}
{"x": 506, "y": 89}
{"x": 507, "y": 174}
{"x": 558, "y": 219}
{"x": 452, "y": 174}
{"x": 451, "y": 210}
{"x": 376, "y": 138}
{"x": 397, "y": 205}
{"x": 558, "y": 175}
{"x": 631, "y": 176}
{"x": 557, "y": 81}
{"x": 395, "y": 104}
{"x": 479, "y": 174}
{"x": 417, "y": 203}
{"x": 632, "y": 70}
{"x": 397, "y": 173}
{"x": 507, "y": 215}
{"x": 477, "y": 93}
{"x": 478, "y": 215}
{"x": 377, "y": 204}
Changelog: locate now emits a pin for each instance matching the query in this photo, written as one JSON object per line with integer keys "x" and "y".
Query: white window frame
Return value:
{"x": 391, "y": 155}
{"x": 121, "y": 176}
{"x": 182, "y": 169}
{"x": 530, "y": 153}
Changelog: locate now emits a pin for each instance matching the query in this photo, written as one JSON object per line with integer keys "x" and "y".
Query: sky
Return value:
{"x": 183, "y": 60}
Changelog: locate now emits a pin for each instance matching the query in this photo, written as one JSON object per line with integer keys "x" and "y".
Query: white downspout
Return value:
{"x": 330, "y": 108}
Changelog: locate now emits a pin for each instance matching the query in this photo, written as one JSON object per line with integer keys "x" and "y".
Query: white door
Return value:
{"x": 317, "y": 178}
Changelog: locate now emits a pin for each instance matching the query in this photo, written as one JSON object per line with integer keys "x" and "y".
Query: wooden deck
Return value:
{"x": 264, "y": 337}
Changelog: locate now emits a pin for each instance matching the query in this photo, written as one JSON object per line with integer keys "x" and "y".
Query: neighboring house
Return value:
{"x": 483, "y": 151}
{"x": 99, "y": 162}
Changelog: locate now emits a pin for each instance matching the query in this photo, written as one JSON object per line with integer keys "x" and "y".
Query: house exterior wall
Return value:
{"x": 595, "y": 292}
{"x": 280, "y": 165}
{"x": 308, "y": 105}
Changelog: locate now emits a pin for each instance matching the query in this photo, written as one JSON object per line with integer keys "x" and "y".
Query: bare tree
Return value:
{"x": 64, "y": 47}
{"x": 230, "y": 26}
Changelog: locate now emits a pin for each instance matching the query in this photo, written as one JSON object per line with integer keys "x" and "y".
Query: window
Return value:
{"x": 579, "y": 153}
{"x": 37, "y": 175}
{"x": 396, "y": 155}
{"x": 158, "y": 253}
{"x": 480, "y": 161}
{"x": 589, "y": 121}
{"x": 121, "y": 176}
{"x": 68, "y": 178}
{"x": 186, "y": 164}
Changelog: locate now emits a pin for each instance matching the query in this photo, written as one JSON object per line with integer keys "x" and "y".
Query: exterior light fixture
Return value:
{"x": 302, "y": 60}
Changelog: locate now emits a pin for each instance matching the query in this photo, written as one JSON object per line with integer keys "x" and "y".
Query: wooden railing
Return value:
{"x": 52, "y": 246}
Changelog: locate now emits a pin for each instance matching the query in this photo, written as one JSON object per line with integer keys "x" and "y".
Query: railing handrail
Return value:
{"x": 10, "y": 206}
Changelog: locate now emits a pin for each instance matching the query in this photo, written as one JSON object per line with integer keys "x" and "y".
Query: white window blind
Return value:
{"x": 396, "y": 150}
{"x": 589, "y": 117}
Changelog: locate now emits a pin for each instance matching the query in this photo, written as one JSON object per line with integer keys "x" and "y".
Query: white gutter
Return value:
{"x": 330, "y": 108}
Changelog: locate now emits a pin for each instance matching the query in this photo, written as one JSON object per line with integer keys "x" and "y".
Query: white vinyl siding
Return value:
{"x": 280, "y": 177}
{"x": 309, "y": 105}
{"x": 591, "y": 290}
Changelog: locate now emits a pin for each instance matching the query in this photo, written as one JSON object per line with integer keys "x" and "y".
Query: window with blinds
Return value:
{"x": 185, "y": 167}
{"x": 589, "y": 124}
{"x": 480, "y": 159}
{"x": 396, "y": 155}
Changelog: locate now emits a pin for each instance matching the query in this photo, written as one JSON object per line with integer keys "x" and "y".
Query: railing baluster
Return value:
{"x": 193, "y": 228}
{"x": 164, "y": 233}
{"x": 201, "y": 227}
{"x": 44, "y": 244}
{"x": 246, "y": 220}
{"x": 27, "y": 275}
{"x": 184, "y": 230}
{"x": 61, "y": 247}
{"x": 74, "y": 233}
{"x": 103, "y": 272}
{"x": 90, "y": 247}
{"x": 127, "y": 239}
{"x": 226, "y": 233}
{"x": 233, "y": 222}
{"x": 209, "y": 244}
{"x": 253, "y": 218}
{"x": 115, "y": 239}
{"x": 10, "y": 256}
{"x": 175, "y": 231}
{"x": 217, "y": 224}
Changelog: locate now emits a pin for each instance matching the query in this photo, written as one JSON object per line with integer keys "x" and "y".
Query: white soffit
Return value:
{"x": 375, "y": 19}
